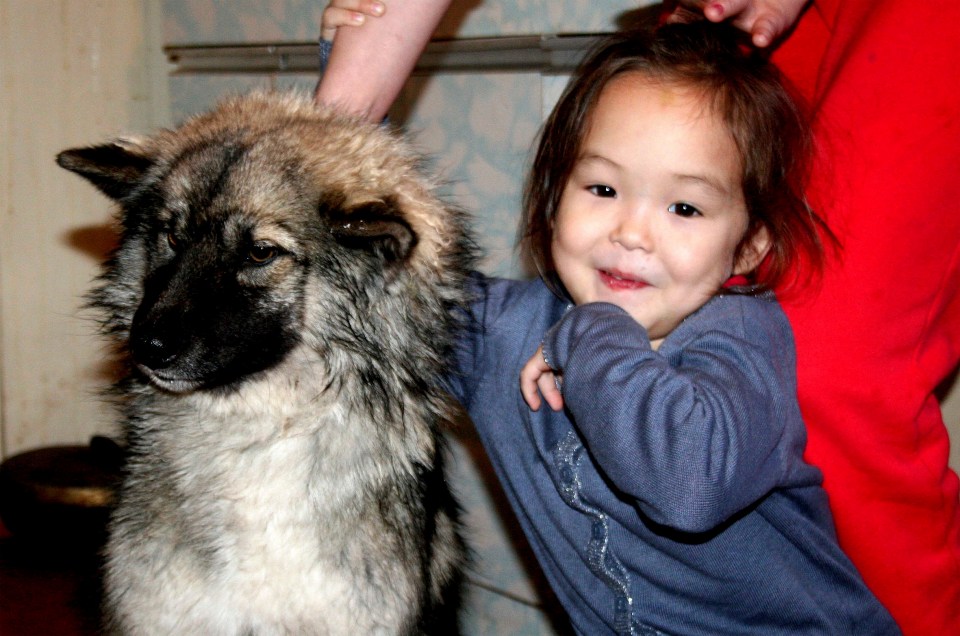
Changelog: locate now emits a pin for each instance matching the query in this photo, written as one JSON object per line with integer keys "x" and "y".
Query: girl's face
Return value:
{"x": 653, "y": 212}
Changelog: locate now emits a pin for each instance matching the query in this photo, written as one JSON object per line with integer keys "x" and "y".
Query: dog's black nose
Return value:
{"x": 153, "y": 351}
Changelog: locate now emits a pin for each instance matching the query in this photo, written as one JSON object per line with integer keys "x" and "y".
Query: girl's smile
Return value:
{"x": 617, "y": 280}
{"x": 653, "y": 213}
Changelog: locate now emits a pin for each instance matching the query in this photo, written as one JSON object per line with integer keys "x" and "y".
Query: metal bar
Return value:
{"x": 525, "y": 53}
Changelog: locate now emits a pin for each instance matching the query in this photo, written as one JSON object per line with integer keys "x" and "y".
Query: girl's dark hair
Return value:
{"x": 766, "y": 121}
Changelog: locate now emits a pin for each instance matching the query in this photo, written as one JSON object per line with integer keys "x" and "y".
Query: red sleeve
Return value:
{"x": 882, "y": 332}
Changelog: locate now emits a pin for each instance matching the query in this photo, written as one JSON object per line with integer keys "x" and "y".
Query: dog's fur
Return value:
{"x": 285, "y": 289}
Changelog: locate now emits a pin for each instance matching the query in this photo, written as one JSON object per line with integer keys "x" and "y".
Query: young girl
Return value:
{"x": 665, "y": 490}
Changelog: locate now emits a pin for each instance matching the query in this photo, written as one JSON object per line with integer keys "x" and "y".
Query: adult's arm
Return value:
{"x": 370, "y": 63}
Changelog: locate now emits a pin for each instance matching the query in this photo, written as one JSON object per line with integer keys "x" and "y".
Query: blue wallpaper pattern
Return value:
{"x": 206, "y": 21}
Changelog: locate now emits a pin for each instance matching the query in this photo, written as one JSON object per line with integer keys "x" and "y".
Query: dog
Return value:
{"x": 285, "y": 293}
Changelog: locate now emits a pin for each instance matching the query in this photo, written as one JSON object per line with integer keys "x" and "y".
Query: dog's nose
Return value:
{"x": 153, "y": 351}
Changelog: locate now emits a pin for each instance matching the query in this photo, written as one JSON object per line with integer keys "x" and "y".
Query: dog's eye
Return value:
{"x": 262, "y": 253}
{"x": 172, "y": 241}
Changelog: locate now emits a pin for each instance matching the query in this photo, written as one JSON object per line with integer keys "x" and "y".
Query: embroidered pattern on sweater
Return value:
{"x": 604, "y": 564}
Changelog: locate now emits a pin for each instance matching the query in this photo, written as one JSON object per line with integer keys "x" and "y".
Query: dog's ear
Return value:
{"x": 115, "y": 168}
{"x": 376, "y": 227}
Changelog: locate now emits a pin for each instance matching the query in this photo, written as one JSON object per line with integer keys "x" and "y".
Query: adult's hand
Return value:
{"x": 348, "y": 13}
{"x": 764, "y": 20}
{"x": 369, "y": 63}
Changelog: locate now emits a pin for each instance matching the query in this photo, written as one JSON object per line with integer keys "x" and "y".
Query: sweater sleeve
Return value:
{"x": 693, "y": 440}
{"x": 468, "y": 341}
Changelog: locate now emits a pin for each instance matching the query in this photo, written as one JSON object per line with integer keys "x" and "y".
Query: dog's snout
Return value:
{"x": 153, "y": 351}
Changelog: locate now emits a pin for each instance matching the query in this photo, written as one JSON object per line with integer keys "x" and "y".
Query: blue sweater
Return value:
{"x": 671, "y": 495}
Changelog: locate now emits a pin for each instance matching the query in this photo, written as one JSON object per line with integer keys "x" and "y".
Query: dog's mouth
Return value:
{"x": 168, "y": 382}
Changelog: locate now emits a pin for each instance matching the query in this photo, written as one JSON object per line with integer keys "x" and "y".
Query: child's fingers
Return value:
{"x": 538, "y": 379}
{"x": 764, "y": 20}
{"x": 529, "y": 374}
{"x": 718, "y": 11}
{"x": 531, "y": 397}
{"x": 373, "y": 8}
{"x": 528, "y": 388}
{"x": 550, "y": 391}
{"x": 335, "y": 17}
{"x": 348, "y": 13}
{"x": 765, "y": 30}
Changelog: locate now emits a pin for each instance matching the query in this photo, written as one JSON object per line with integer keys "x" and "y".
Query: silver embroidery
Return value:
{"x": 603, "y": 563}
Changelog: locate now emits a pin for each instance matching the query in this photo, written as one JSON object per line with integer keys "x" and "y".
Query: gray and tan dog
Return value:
{"x": 286, "y": 290}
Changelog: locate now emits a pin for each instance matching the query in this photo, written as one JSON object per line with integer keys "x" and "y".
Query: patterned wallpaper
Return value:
{"x": 477, "y": 129}
{"x": 207, "y": 21}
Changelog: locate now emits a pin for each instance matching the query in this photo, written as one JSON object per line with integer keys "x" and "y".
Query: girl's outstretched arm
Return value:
{"x": 370, "y": 63}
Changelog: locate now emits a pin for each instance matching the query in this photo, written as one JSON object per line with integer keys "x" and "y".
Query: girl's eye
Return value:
{"x": 602, "y": 191}
{"x": 262, "y": 253}
{"x": 683, "y": 209}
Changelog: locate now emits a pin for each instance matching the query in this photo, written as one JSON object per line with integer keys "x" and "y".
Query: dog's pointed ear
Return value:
{"x": 115, "y": 168}
{"x": 376, "y": 227}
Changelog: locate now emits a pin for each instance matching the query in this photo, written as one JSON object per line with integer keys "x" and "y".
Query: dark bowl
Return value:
{"x": 60, "y": 495}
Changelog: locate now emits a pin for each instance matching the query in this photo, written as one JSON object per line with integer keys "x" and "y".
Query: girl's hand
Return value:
{"x": 764, "y": 20}
{"x": 348, "y": 13}
{"x": 536, "y": 379}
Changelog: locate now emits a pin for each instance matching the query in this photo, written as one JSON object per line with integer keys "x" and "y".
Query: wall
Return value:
{"x": 71, "y": 72}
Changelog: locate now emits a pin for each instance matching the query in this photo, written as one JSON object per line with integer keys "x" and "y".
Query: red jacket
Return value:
{"x": 883, "y": 329}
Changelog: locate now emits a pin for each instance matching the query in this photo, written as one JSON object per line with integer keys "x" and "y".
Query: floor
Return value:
{"x": 46, "y": 591}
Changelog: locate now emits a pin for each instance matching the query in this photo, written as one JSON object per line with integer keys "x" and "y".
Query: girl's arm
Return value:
{"x": 370, "y": 63}
{"x": 693, "y": 445}
{"x": 463, "y": 376}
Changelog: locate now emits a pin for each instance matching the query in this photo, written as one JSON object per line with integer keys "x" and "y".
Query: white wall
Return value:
{"x": 72, "y": 72}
